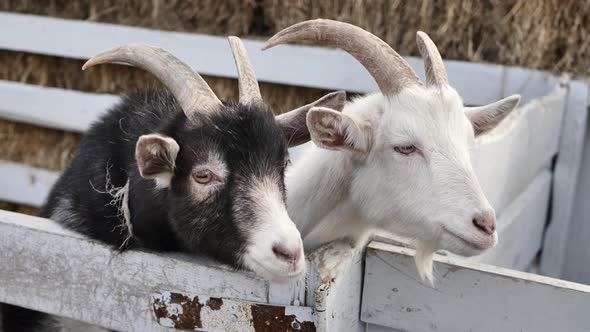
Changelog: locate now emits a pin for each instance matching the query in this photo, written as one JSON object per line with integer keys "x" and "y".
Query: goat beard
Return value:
{"x": 423, "y": 258}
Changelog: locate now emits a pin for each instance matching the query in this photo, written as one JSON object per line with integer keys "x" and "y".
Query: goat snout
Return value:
{"x": 288, "y": 254}
{"x": 485, "y": 222}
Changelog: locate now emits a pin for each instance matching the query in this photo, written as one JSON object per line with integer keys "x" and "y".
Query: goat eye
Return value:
{"x": 407, "y": 149}
{"x": 203, "y": 177}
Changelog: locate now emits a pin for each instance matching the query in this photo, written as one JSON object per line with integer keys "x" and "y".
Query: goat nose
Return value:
{"x": 485, "y": 222}
{"x": 289, "y": 255}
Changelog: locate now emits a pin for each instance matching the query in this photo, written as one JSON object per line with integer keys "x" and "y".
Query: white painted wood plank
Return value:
{"x": 576, "y": 265}
{"x": 336, "y": 271}
{"x": 467, "y": 296}
{"x": 566, "y": 179}
{"x": 528, "y": 83}
{"x": 520, "y": 227}
{"x": 507, "y": 159}
{"x": 24, "y": 184}
{"x": 289, "y": 64}
{"x": 48, "y": 269}
{"x": 379, "y": 328}
{"x": 288, "y": 293}
{"x": 52, "y": 108}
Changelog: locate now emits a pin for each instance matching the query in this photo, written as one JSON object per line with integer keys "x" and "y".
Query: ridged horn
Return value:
{"x": 188, "y": 87}
{"x": 391, "y": 72}
{"x": 248, "y": 85}
{"x": 436, "y": 74}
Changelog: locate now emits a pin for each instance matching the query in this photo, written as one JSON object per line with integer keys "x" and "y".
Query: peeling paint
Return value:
{"x": 178, "y": 311}
{"x": 329, "y": 259}
{"x": 190, "y": 312}
{"x": 270, "y": 318}
{"x": 214, "y": 303}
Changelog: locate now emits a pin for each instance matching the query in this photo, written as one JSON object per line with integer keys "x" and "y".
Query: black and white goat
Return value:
{"x": 397, "y": 161}
{"x": 183, "y": 171}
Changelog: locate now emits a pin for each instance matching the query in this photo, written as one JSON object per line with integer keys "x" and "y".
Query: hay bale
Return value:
{"x": 35, "y": 146}
{"x": 223, "y": 17}
{"x": 549, "y": 34}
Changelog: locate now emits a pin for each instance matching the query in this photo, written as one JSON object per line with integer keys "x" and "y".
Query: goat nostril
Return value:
{"x": 486, "y": 225}
{"x": 286, "y": 254}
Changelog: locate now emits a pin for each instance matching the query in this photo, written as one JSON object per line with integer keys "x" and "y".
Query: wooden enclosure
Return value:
{"x": 528, "y": 168}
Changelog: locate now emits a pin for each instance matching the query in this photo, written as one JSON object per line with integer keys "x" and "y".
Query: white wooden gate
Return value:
{"x": 528, "y": 169}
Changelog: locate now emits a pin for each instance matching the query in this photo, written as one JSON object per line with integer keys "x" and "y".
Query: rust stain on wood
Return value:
{"x": 189, "y": 313}
{"x": 178, "y": 311}
{"x": 215, "y": 303}
{"x": 269, "y": 318}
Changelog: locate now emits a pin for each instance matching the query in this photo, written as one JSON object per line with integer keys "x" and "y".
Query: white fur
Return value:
{"x": 430, "y": 196}
{"x": 120, "y": 201}
{"x": 273, "y": 226}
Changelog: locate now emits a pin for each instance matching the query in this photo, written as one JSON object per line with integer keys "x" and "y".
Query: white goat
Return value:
{"x": 397, "y": 161}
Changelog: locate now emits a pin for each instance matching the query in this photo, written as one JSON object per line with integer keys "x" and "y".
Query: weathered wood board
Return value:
{"x": 562, "y": 244}
{"x": 576, "y": 259}
{"x": 467, "y": 296}
{"x": 24, "y": 184}
{"x": 337, "y": 297}
{"x": 51, "y": 107}
{"x": 47, "y": 268}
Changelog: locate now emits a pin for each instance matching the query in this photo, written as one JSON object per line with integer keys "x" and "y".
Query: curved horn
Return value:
{"x": 436, "y": 74}
{"x": 248, "y": 85}
{"x": 391, "y": 72}
{"x": 187, "y": 86}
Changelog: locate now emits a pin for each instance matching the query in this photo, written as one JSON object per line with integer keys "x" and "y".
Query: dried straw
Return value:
{"x": 223, "y": 17}
{"x": 549, "y": 34}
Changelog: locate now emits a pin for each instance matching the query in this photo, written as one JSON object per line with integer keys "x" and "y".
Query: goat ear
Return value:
{"x": 156, "y": 158}
{"x": 333, "y": 130}
{"x": 293, "y": 122}
{"x": 487, "y": 117}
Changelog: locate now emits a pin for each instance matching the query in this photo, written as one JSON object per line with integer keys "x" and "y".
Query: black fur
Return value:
{"x": 247, "y": 137}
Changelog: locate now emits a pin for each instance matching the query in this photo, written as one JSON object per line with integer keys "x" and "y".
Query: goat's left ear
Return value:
{"x": 293, "y": 123}
{"x": 156, "y": 158}
{"x": 487, "y": 117}
{"x": 335, "y": 131}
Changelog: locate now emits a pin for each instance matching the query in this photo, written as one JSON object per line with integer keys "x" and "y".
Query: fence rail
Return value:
{"x": 316, "y": 67}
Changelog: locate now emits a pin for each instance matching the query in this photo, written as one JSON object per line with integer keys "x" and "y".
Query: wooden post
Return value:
{"x": 565, "y": 179}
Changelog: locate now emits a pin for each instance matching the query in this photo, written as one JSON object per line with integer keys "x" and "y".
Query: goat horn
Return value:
{"x": 391, "y": 72}
{"x": 187, "y": 86}
{"x": 248, "y": 85}
{"x": 436, "y": 74}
